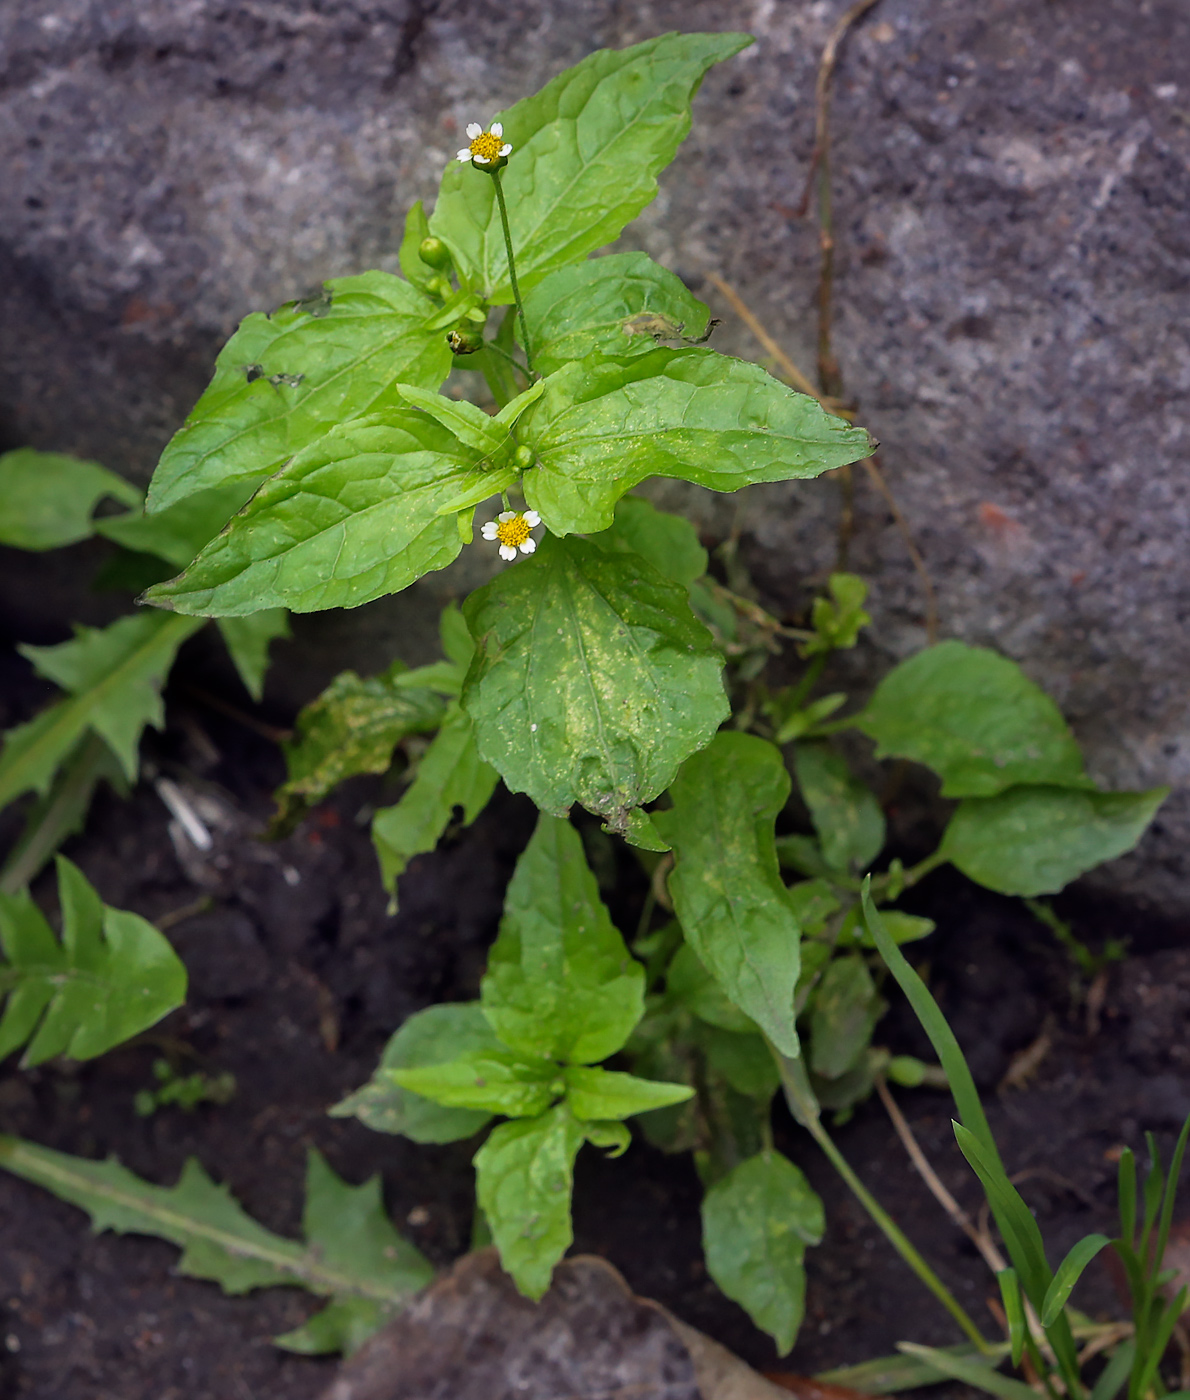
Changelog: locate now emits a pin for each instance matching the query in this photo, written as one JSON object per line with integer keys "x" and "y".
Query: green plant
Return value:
{"x": 1041, "y": 1322}
{"x": 185, "y": 1090}
{"x": 607, "y": 669}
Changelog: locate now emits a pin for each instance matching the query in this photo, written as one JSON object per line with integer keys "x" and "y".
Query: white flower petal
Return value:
{"x": 490, "y": 531}
{"x": 497, "y": 128}
{"x": 481, "y": 160}
{"x": 464, "y": 157}
{"x": 532, "y": 519}
{"x": 473, "y": 130}
{"x": 506, "y": 149}
{"x": 529, "y": 545}
{"x": 507, "y": 515}
{"x": 507, "y": 552}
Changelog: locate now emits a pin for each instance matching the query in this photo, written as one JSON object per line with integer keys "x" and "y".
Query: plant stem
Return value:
{"x": 516, "y": 291}
{"x": 804, "y": 1107}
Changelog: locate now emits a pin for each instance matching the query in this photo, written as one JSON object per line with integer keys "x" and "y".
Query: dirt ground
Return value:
{"x": 298, "y": 975}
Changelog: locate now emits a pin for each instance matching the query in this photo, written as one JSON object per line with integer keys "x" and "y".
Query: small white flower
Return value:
{"x": 511, "y": 528}
{"x": 486, "y": 147}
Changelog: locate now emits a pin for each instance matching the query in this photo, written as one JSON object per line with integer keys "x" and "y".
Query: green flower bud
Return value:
{"x": 434, "y": 252}
{"x": 523, "y": 458}
{"x": 464, "y": 342}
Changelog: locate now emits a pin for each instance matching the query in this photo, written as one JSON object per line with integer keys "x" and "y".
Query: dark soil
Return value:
{"x": 298, "y": 975}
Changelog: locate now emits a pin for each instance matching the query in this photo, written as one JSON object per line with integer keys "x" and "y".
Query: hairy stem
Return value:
{"x": 516, "y": 291}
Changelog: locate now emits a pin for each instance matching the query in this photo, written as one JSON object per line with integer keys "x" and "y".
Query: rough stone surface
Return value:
{"x": 1012, "y": 206}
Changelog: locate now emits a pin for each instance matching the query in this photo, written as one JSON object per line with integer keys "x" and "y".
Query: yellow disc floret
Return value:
{"x": 513, "y": 532}
{"x": 486, "y": 146}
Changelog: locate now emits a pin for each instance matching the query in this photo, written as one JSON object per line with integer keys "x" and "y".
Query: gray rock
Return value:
{"x": 1011, "y": 195}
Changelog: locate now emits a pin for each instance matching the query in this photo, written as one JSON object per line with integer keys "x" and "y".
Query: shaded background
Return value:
{"x": 1012, "y": 201}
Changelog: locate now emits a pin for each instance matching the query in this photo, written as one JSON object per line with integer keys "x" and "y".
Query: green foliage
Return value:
{"x": 352, "y": 1254}
{"x": 726, "y": 885}
{"x": 837, "y": 620}
{"x": 975, "y": 719}
{"x": 846, "y": 815}
{"x": 560, "y": 983}
{"x": 355, "y": 514}
{"x": 47, "y": 500}
{"x": 110, "y": 977}
{"x": 1035, "y": 840}
{"x": 429, "y": 1037}
{"x": 561, "y": 991}
{"x": 667, "y": 541}
{"x": 756, "y": 1224}
{"x": 592, "y": 679}
{"x": 187, "y": 1091}
{"x": 176, "y": 533}
{"x": 524, "y": 1177}
{"x": 114, "y": 676}
{"x": 248, "y": 639}
{"x": 449, "y": 775}
{"x": 616, "y": 305}
{"x": 604, "y": 425}
{"x": 283, "y": 380}
{"x": 587, "y": 151}
{"x": 843, "y": 1015}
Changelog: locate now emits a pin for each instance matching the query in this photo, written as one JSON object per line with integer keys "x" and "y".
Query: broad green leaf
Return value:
{"x": 178, "y": 532}
{"x": 115, "y": 676}
{"x": 524, "y": 1177}
{"x": 668, "y": 542}
{"x": 351, "y": 517}
{"x": 595, "y": 1094}
{"x": 745, "y": 1061}
{"x": 689, "y": 984}
{"x": 603, "y": 425}
{"x": 112, "y": 976}
{"x": 813, "y": 902}
{"x": 560, "y": 984}
{"x": 283, "y": 380}
{"x": 47, "y": 499}
{"x": 351, "y": 1253}
{"x": 352, "y": 727}
{"x": 976, "y": 719}
{"x": 430, "y": 1037}
{"x": 843, "y": 1015}
{"x": 450, "y": 775}
{"x": 592, "y": 679}
{"x": 726, "y": 884}
{"x": 756, "y": 1224}
{"x": 1035, "y": 840}
{"x": 1069, "y": 1272}
{"x": 616, "y": 305}
{"x": 586, "y": 153}
{"x": 474, "y": 428}
{"x": 844, "y": 811}
{"x": 492, "y": 1081}
{"x": 248, "y": 639}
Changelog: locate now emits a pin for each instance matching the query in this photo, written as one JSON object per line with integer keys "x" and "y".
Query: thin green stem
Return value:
{"x": 797, "y": 697}
{"x": 804, "y": 1107}
{"x": 516, "y": 291}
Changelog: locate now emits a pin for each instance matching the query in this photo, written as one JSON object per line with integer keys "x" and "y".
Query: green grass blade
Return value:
{"x": 1171, "y": 1191}
{"x": 935, "y": 1025}
{"x": 1069, "y": 1272}
{"x": 962, "y": 1369}
{"x": 885, "y": 1375}
{"x": 1021, "y": 1235}
{"x": 1115, "y": 1373}
{"x": 1014, "y": 1311}
{"x": 1127, "y": 1194}
{"x": 1156, "y": 1350}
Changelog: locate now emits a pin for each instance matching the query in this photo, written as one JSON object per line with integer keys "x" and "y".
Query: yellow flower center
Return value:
{"x": 513, "y": 532}
{"x": 487, "y": 146}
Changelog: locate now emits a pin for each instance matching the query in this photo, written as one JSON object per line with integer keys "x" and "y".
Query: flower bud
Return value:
{"x": 434, "y": 252}
{"x": 464, "y": 342}
{"x": 523, "y": 458}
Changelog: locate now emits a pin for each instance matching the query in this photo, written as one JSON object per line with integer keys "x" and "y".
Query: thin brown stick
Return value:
{"x": 871, "y": 465}
{"x": 233, "y": 712}
{"x": 754, "y": 324}
{"x": 979, "y": 1238}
